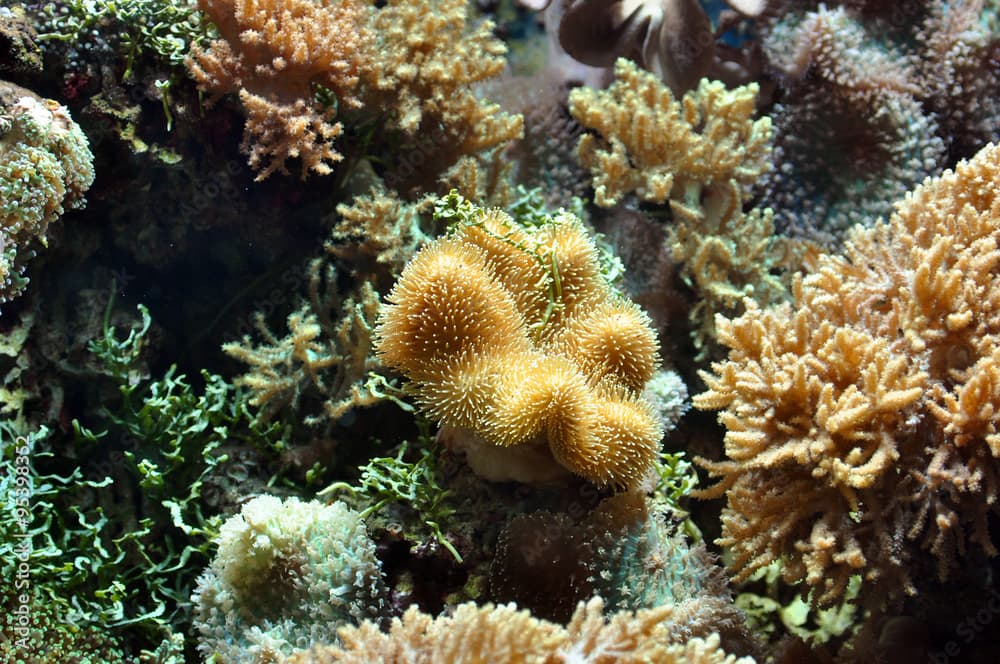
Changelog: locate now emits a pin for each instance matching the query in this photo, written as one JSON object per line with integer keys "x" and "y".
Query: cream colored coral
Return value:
{"x": 274, "y": 53}
{"x": 492, "y": 634}
{"x": 700, "y": 155}
{"x": 514, "y": 334}
{"x": 860, "y": 423}
{"x": 657, "y": 147}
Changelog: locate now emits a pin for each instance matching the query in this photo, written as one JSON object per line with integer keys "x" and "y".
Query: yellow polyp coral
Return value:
{"x": 503, "y": 634}
{"x": 861, "y": 426}
{"x": 513, "y": 334}
{"x": 656, "y": 146}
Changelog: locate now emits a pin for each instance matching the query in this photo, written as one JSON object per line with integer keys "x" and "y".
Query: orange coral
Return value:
{"x": 860, "y": 424}
{"x": 514, "y": 334}
{"x": 275, "y": 53}
{"x": 411, "y": 64}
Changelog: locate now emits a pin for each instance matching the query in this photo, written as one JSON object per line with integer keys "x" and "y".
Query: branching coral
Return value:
{"x": 45, "y": 168}
{"x": 321, "y": 356}
{"x": 701, "y": 155}
{"x": 661, "y": 148}
{"x": 428, "y": 58}
{"x": 860, "y": 422}
{"x": 287, "y": 574}
{"x": 377, "y": 234}
{"x": 504, "y": 634}
{"x": 514, "y": 334}
{"x": 276, "y": 54}
{"x": 409, "y": 64}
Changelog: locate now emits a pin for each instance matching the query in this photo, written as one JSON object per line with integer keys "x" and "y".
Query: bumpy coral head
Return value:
{"x": 512, "y": 337}
{"x": 287, "y": 573}
{"x": 45, "y": 168}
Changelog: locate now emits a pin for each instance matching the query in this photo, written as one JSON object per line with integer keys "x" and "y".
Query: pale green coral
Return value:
{"x": 45, "y": 167}
{"x": 287, "y": 574}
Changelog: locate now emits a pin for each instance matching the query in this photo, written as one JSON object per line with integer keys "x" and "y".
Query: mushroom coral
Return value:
{"x": 512, "y": 337}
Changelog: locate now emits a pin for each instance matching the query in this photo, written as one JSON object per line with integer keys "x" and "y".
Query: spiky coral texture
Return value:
{"x": 514, "y": 334}
{"x": 860, "y": 423}
{"x": 658, "y": 147}
{"x": 503, "y": 634}
{"x": 273, "y": 53}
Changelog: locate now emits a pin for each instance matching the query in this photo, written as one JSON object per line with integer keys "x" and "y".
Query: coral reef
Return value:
{"x": 434, "y": 404}
{"x": 860, "y": 427}
{"x": 870, "y": 105}
{"x": 322, "y": 357}
{"x": 45, "y": 168}
{"x": 504, "y": 634}
{"x": 701, "y": 155}
{"x": 287, "y": 574}
{"x": 514, "y": 333}
{"x": 274, "y": 54}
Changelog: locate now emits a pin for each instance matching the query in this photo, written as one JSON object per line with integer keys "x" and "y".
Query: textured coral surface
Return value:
{"x": 861, "y": 428}
{"x": 514, "y": 333}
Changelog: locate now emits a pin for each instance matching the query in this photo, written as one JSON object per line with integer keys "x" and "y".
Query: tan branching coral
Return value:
{"x": 298, "y": 65}
{"x": 700, "y": 155}
{"x": 378, "y": 233}
{"x": 275, "y": 53}
{"x": 860, "y": 426}
{"x": 657, "y": 147}
{"x": 429, "y": 60}
{"x": 504, "y": 634}
{"x": 513, "y": 333}
{"x": 323, "y": 356}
